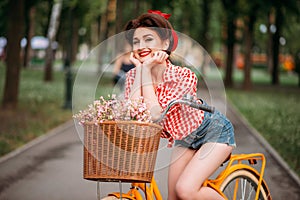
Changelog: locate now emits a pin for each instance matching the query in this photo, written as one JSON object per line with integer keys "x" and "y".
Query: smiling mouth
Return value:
{"x": 144, "y": 53}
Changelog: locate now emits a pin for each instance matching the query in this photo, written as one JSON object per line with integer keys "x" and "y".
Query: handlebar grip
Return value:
{"x": 206, "y": 108}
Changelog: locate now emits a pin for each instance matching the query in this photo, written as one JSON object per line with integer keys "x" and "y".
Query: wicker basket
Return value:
{"x": 120, "y": 151}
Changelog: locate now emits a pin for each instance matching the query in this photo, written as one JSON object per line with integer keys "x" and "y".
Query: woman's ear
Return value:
{"x": 166, "y": 44}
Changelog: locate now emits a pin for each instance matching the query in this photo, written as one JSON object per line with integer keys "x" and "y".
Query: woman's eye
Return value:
{"x": 135, "y": 42}
{"x": 149, "y": 39}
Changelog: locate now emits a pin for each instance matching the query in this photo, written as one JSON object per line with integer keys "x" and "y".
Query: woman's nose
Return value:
{"x": 142, "y": 44}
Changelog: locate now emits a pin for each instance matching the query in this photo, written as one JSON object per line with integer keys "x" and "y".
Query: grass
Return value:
{"x": 274, "y": 112}
{"x": 39, "y": 109}
{"x": 40, "y": 106}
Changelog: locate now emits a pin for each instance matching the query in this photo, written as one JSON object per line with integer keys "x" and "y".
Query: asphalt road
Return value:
{"x": 51, "y": 167}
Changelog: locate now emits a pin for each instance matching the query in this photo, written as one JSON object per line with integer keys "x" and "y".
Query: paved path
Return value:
{"x": 51, "y": 167}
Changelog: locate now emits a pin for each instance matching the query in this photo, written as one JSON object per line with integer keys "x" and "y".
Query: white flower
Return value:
{"x": 113, "y": 109}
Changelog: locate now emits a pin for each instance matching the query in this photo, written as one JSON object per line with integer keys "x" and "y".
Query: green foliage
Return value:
{"x": 40, "y": 109}
{"x": 187, "y": 17}
{"x": 274, "y": 112}
{"x": 42, "y": 15}
{"x": 3, "y": 13}
{"x": 260, "y": 75}
{"x": 94, "y": 9}
{"x": 291, "y": 32}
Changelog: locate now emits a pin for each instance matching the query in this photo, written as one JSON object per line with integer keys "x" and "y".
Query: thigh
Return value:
{"x": 203, "y": 164}
{"x": 180, "y": 158}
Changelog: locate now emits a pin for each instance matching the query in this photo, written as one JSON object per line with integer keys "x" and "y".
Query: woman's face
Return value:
{"x": 146, "y": 42}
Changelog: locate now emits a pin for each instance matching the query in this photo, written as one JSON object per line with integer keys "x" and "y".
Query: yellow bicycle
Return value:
{"x": 239, "y": 180}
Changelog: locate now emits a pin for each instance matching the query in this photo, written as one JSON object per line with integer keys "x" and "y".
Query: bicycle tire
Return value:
{"x": 113, "y": 198}
{"x": 247, "y": 184}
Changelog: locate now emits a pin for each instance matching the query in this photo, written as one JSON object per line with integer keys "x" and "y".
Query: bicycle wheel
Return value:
{"x": 245, "y": 183}
{"x": 113, "y": 198}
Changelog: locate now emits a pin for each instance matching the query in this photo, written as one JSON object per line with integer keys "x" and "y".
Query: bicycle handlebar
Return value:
{"x": 187, "y": 100}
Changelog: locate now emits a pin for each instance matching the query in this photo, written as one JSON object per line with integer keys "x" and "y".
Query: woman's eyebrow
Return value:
{"x": 144, "y": 36}
{"x": 147, "y": 35}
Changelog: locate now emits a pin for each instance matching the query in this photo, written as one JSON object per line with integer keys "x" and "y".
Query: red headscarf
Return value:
{"x": 167, "y": 16}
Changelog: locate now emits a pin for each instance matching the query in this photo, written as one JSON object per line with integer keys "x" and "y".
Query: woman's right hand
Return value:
{"x": 135, "y": 61}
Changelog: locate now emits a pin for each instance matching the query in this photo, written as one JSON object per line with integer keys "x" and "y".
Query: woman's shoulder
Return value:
{"x": 178, "y": 73}
{"x": 180, "y": 69}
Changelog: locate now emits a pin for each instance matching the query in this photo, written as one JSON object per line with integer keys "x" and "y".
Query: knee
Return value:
{"x": 184, "y": 192}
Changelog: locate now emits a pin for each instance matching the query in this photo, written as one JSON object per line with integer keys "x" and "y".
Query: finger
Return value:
{"x": 135, "y": 61}
{"x": 162, "y": 56}
{"x": 166, "y": 56}
{"x": 132, "y": 58}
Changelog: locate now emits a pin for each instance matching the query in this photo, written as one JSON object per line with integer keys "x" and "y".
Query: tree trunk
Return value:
{"x": 248, "y": 50}
{"x": 119, "y": 16}
{"x": 205, "y": 25}
{"x": 103, "y": 36}
{"x": 13, "y": 64}
{"x": 231, "y": 15}
{"x": 52, "y": 30}
{"x": 103, "y": 27}
{"x": 95, "y": 34}
{"x": 276, "y": 36}
{"x": 230, "y": 51}
{"x": 75, "y": 38}
{"x": 297, "y": 65}
{"x": 137, "y": 7}
{"x": 30, "y": 33}
{"x": 270, "y": 42}
{"x": 111, "y": 17}
{"x": 120, "y": 26}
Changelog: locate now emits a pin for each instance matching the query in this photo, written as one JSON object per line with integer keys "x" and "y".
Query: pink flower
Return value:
{"x": 112, "y": 109}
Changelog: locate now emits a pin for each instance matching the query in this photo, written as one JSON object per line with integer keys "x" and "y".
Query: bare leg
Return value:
{"x": 203, "y": 164}
{"x": 180, "y": 158}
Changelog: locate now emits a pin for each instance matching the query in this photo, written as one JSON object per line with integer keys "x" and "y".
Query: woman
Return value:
{"x": 202, "y": 140}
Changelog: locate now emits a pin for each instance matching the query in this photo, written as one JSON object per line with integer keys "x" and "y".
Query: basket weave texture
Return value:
{"x": 120, "y": 151}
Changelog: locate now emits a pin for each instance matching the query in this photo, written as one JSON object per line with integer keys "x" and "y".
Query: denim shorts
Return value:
{"x": 215, "y": 128}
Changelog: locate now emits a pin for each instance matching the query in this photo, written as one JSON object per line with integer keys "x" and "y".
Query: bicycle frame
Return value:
{"x": 150, "y": 192}
{"x": 235, "y": 162}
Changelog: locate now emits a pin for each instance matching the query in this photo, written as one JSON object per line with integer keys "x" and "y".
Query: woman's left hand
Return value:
{"x": 158, "y": 57}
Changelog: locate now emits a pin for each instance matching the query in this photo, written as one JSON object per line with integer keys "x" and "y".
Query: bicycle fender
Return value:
{"x": 236, "y": 167}
{"x": 118, "y": 195}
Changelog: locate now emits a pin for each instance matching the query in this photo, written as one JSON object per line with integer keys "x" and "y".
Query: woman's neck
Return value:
{"x": 158, "y": 73}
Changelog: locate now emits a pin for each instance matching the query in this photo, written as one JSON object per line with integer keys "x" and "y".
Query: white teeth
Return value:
{"x": 144, "y": 53}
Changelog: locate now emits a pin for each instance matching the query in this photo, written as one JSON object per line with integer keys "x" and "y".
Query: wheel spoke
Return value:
{"x": 250, "y": 193}
{"x": 242, "y": 185}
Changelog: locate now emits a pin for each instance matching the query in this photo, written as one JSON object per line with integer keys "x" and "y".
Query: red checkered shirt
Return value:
{"x": 180, "y": 120}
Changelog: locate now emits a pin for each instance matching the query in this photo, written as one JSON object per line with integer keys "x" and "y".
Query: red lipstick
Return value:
{"x": 144, "y": 53}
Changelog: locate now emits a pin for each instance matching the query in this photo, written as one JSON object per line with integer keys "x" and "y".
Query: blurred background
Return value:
{"x": 255, "y": 44}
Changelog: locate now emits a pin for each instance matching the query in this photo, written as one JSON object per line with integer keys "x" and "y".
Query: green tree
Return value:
{"x": 13, "y": 62}
{"x": 250, "y": 11}
{"x": 204, "y": 36}
{"x": 297, "y": 65}
{"x": 3, "y": 15}
{"x": 30, "y": 26}
{"x": 231, "y": 13}
{"x": 275, "y": 43}
{"x": 279, "y": 9}
{"x": 51, "y": 35}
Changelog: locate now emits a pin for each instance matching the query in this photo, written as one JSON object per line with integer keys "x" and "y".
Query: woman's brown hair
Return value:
{"x": 154, "y": 21}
